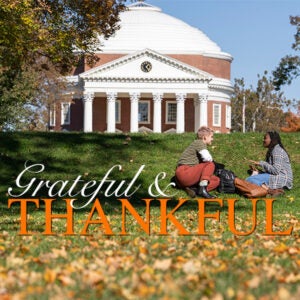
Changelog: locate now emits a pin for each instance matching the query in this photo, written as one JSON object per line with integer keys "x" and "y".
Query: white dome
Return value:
{"x": 145, "y": 26}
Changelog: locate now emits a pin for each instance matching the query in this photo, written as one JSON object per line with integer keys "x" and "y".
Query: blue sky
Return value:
{"x": 257, "y": 33}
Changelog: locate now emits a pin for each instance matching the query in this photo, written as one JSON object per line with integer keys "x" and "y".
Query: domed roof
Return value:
{"x": 145, "y": 26}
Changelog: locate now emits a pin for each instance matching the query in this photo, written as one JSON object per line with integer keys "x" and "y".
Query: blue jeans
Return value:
{"x": 259, "y": 179}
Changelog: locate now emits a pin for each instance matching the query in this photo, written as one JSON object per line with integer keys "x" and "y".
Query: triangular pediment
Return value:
{"x": 147, "y": 65}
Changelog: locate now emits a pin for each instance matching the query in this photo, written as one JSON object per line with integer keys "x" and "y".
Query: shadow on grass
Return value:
{"x": 66, "y": 156}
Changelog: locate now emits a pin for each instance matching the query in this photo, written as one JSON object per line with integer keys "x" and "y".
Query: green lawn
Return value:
{"x": 104, "y": 256}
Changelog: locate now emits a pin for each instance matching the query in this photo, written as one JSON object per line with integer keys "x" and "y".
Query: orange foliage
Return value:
{"x": 293, "y": 123}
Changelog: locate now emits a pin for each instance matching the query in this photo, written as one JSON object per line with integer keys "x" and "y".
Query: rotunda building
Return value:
{"x": 156, "y": 74}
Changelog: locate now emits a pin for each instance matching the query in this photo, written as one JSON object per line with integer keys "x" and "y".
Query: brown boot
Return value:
{"x": 190, "y": 191}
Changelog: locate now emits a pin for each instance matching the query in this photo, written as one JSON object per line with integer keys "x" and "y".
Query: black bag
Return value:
{"x": 175, "y": 183}
{"x": 226, "y": 181}
{"x": 218, "y": 166}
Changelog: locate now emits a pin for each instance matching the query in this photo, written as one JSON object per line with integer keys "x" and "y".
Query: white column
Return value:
{"x": 88, "y": 99}
{"x": 134, "y": 112}
{"x": 111, "y": 112}
{"x": 203, "y": 109}
{"x": 180, "y": 122}
{"x": 157, "y": 99}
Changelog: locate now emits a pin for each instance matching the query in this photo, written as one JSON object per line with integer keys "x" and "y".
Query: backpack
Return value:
{"x": 226, "y": 181}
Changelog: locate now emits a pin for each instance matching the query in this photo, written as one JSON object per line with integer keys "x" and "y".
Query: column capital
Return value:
{"x": 134, "y": 96}
{"x": 88, "y": 96}
{"x": 157, "y": 97}
{"x": 202, "y": 97}
{"x": 111, "y": 96}
{"x": 180, "y": 97}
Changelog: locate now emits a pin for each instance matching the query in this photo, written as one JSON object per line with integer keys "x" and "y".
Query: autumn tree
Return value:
{"x": 38, "y": 38}
{"x": 258, "y": 108}
{"x": 292, "y": 123}
{"x": 289, "y": 66}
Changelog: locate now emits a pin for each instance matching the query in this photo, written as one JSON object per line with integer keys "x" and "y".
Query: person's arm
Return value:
{"x": 278, "y": 157}
{"x": 206, "y": 156}
{"x": 274, "y": 168}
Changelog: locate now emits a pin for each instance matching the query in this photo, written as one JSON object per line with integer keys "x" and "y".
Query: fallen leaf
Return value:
{"x": 163, "y": 264}
{"x": 253, "y": 282}
{"x": 50, "y": 275}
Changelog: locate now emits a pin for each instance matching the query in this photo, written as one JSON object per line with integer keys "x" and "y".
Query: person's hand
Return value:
{"x": 254, "y": 162}
{"x": 252, "y": 167}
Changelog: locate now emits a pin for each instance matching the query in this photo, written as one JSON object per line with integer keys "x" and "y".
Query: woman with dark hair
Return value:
{"x": 276, "y": 172}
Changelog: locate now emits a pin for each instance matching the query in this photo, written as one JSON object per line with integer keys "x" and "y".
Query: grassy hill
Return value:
{"x": 138, "y": 265}
{"x": 65, "y": 156}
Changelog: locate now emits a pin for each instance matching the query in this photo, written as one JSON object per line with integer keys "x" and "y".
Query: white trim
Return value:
{"x": 65, "y": 121}
{"x": 73, "y": 79}
{"x": 52, "y": 115}
{"x": 217, "y": 114}
{"x": 219, "y": 55}
{"x": 221, "y": 84}
{"x": 228, "y": 117}
{"x": 167, "y": 111}
{"x": 149, "y": 113}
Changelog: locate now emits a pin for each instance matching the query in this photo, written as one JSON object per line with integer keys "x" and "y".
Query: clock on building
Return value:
{"x": 146, "y": 66}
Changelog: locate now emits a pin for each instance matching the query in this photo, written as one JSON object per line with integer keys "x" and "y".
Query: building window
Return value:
{"x": 171, "y": 112}
{"x": 228, "y": 116}
{"x": 52, "y": 115}
{"x": 217, "y": 115}
{"x": 144, "y": 112}
{"x": 118, "y": 111}
{"x": 65, "y": 113}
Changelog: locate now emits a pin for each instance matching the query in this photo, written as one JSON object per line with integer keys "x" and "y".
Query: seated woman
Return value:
{"x": 276, "y": 172}
{"x": 196, "y": 167}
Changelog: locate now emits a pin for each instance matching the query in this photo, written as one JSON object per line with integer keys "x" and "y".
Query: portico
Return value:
{"x": 177, "y": 83}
